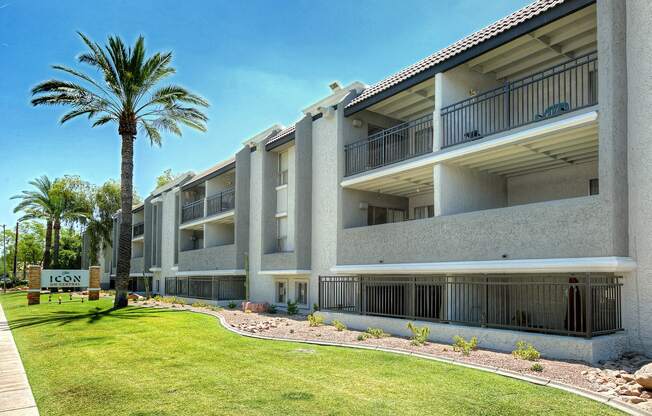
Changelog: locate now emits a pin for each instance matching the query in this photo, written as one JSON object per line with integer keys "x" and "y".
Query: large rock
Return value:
{"x": 644, "y": 376}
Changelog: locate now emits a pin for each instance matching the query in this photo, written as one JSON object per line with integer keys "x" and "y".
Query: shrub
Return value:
{"x": 376, "y": 332}
{"x": 315, "y": 307}
{"x": 213, "y": 308}
{"x": 419, "y": 335}
{"x": 315, "y": 320}
{"x": 271, "y": 309}
{"x": 526, "y": 351}
{"x": 293, "y": 309}
{"x": 464, "y": 346}
{"x": 231, "y": 305}
{"x": 537, "y": 367}
{"x": 363, "y": 336}
{"x": 339, "y": 325}
{"x": 178, "y": 301}
{"x": 200, "y": 305}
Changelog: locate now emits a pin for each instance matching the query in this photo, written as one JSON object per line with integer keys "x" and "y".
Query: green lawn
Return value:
{"x": 85, "y": 359}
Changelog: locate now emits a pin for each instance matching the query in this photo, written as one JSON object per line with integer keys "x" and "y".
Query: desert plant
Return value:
{"x": 526, "y": 351}
{"x": 419, "y": 335}
{"x": 339, "y": 325}
{"x": 363, "y": 336}
{"x": 293, "y": 308}
{"x": 315, "y": 307}
{"x": 231, "y": 305}
{"x": 315, "y": 320}
{"x": 464, "y": 346}
{"x": 271, "y": 309}
{"x": 537, "y": 367}
{"x": 377, "y": 333}
{"x": 199, "y": 304}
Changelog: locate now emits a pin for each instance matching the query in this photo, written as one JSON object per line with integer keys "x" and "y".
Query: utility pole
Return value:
{"x": 16, "y": 251}
{"x": 4, "y": 255}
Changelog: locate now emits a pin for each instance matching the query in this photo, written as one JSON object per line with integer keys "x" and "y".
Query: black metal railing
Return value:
{"x": 192, "y": 210}
{"x": 580, "y": 305}
{"x": 224, "y": 201}
{"x": 138, "y": 229}
{"x": 210, "y": 288}
{"x": 391, "y": 145}
{"x": 555, "y": 91}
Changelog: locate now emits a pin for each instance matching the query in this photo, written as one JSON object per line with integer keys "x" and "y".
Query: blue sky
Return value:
{"x": 257, "y": 62}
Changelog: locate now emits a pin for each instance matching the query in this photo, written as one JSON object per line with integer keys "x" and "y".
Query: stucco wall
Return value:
{"x": 556, "y": 229}
{"x": 459, "y": 189}
{"x": 354, "y": 216}
{"x": 303, "y": 192}
{"x": 242, "y": 204}
{"x": 567, "y": 182}
{"x": 211, "y": 258}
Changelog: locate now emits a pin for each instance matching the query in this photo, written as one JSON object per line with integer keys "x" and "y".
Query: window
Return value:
{"x": 594, "y": 186}
{"x": 381, "y": 215}
{"x": 282, "y": 234}
{"x": 283, "y": 168}
{"x": 281, "y": 295}
{"x": 425, "y": 211}
{"x": 301, "y": 293}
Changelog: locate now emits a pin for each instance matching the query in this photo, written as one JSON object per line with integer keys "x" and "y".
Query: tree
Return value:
{"x": 106, "y": 202}
{"x": 130, "y": 97}
{"x": 166, "y": 177}
{"x": 72, "y": 206}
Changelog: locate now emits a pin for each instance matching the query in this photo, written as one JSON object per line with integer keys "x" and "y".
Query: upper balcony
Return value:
{"x": 210, "y": 208}
{"x": 557, "y": 90}
{"x": 138, "y": 230}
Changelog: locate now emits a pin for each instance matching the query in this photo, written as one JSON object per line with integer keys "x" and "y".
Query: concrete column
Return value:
{"x": 94, "y": 283}
{"x": 303, "y": 192}
{"x": 242, "y": 204}
{"x": 34, "y": 280}
{"x": 639, "y": 141}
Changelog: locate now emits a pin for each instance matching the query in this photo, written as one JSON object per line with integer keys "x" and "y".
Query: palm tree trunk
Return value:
{"x": 57, "y": 239}
{"x": 124, "y": 237}
{"x": 48, "y": 244}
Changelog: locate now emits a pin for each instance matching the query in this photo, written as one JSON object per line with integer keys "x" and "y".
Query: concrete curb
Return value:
{"x": 541, "y": 381}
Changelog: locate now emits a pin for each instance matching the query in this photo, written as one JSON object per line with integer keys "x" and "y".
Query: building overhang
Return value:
{"x": 287, "y": 272}
{"x": 226, "y": 217}
{"x": 205, "y": 273}
{"x": 558, "y": 265}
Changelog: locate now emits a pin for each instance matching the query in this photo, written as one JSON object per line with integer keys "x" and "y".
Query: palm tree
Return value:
{"x": 39, "y": 204}
{"x": 69, "y": 208}
{"x": 129, "y": 96}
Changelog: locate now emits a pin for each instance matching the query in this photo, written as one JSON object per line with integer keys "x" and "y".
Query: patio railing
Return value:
{"x": 580, "y": 305}
{"x": 138, "y": 229}
{"x": 210, "y": 288}
{"x": 555, "y": 91}
{"x": 392, "y": 145}
{"x": 192, "y": 210}
{"x": 224, "y": 201}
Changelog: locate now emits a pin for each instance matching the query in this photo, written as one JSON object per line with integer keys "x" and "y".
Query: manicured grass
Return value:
{"x": 85, "y": 359}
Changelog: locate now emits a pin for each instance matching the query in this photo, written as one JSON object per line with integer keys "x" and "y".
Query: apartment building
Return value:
{"x": 496, "y": 188}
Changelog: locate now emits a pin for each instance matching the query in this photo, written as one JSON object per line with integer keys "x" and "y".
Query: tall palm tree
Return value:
{"x": 68, "y": 208}
{"x": 39, "y": 204}
{"x": 129, "y": 96}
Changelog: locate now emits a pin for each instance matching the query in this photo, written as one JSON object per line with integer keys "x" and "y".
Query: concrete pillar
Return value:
{"x": 242, "y": 204}
{"x": 639, "y": 155}
{"x": 94, "y": 283}
{"x": 303, "y": 192}
{"x": 34, "y": 280}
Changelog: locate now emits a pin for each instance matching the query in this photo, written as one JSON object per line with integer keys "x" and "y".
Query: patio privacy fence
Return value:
{"x": 578, "y": 304}
{"x": 209, "y": 288}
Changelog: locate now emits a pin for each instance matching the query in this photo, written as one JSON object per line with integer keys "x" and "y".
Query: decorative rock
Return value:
{"x": 644, "y": 376}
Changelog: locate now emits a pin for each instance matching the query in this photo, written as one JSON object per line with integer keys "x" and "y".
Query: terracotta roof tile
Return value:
{"x": 458, "y": 47}
{"x": 281, "y": 134}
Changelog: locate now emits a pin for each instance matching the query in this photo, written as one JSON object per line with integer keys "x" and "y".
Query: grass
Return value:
{"x": 86, "y": 359}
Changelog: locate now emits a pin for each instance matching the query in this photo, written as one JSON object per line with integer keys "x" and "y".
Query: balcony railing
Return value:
{"x": 224, "y": 201}
{"x": 581, "y": 305}
{"x": 192, "y": 211}
{"x": 391, "y": 145}
{"x": 210, "y": 288}
{"x": 138, "y": 229}
{"x": 558, "y": 90}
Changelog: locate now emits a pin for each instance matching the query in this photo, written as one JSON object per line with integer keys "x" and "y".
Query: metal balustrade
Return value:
{"x": 579, "y": 304}
{"x": 224, "y": 201}
{"x": 392, "y": 145}
{"x": 558, "y": 90}
{"x": 192, "y": 210}
{"x": 209, "y": 288}
{"x": 138, "y": 229}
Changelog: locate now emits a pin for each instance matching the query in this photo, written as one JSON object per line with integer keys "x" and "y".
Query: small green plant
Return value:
{"x": 200, "y": 305}
{"x": 464, "y": 346}
{"x": 315, "y": 307}
{"x": 537, "y": 367}
{"x": 214, "y": 308}
{"x": 377, "y": 333}
{"x": 158, "y": 298}
{"x": 526, "y": 351}
{"x": 363, "y": 336}
{"x": 231, "y": 305}
{"x": 315, "y": 320}
{"x": 339, "y": 325}
{"x": 293, "y": 308}
{"x": 419, "y": 335}
{"x": 178, "y": 301}
{"x": 271, "y": 309}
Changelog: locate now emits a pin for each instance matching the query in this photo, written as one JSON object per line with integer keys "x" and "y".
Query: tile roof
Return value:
{"x": 281, "y": 134}
{"x": 202, "y": 175}
{"x": 458, "y": 47}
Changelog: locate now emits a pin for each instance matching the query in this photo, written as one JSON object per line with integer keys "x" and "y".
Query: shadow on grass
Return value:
{"x": 61, "y": 318}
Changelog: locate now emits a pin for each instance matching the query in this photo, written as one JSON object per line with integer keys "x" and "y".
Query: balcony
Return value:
{"x": 577, "y": 305}
{"x": 210, "y": 258}
{"x": 221, "y": 202}
{"x": 138, "y": 230}
{"x": 392, "y": 145}
{"x": 558, "y": 90}
{"x": 192, "y": 210}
